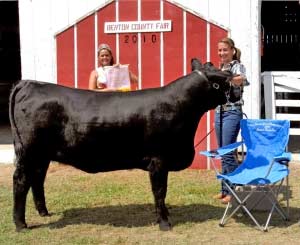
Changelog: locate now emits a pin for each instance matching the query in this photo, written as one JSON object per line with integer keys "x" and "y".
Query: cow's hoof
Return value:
{"x": 44, "y": 213}
{"x": 165, "y": 226}
{"x": 21, "y": 227}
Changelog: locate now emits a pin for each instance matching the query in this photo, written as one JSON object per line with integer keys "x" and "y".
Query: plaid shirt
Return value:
{"x": 236, "y": 68}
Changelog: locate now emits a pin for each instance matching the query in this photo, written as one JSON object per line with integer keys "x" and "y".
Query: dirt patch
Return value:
{"x": 6, "y": 173}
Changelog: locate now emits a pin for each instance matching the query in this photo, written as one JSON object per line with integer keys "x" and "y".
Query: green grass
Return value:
{"x": 117, "y": 208}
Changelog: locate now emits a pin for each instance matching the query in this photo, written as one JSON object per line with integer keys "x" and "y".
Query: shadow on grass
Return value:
{"x": 143, "y": 215}
{"x": 135, "y": 215}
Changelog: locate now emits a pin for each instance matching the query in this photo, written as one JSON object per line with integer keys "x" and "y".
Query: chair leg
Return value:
{"x": 270, "y": 193}
{"x": 241, "y": 204}
{"x": 269, "y": 216}
{"x": 273, "y": 198}
{"x": 253, "y": 218}
{"x": 223, "y": 221}
{"x": 226, "y": 217}
{"x": 287, "y": 193}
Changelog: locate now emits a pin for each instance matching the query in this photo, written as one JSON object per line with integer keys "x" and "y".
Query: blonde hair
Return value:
{"x": 236, "y": 51}
{"x": 107, "y": 47}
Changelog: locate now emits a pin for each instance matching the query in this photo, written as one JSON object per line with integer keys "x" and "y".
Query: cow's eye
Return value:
{"x": 216, "y": 86}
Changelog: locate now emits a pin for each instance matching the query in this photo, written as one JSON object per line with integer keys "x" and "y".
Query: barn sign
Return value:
{"x": 157, "y": 38}
{"x": 137, "y": 26}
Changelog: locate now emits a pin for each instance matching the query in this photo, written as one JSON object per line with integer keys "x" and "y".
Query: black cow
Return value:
{"x": 151, "y": 129}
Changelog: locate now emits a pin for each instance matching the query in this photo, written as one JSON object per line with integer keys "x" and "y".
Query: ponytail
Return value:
{"x": 237, "y": 54}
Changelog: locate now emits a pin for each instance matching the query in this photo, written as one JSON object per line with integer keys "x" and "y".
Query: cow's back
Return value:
{"x": 103, "y": 131}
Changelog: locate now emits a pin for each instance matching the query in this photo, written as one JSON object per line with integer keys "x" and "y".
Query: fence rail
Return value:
{"x": 279, "y": 91}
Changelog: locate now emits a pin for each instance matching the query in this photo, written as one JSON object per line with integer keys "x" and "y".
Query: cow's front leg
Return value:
{"x": 159, "y": 182}
{"x": 21, "y": 186}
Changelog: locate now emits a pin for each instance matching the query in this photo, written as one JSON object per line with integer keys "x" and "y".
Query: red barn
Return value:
{"x": 158, "y": 40}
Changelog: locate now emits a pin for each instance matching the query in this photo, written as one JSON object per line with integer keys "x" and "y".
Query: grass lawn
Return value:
{"x": 117, "y": 208}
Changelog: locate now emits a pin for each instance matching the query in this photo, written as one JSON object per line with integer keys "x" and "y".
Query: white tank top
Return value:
{"x": 101, "y": 78}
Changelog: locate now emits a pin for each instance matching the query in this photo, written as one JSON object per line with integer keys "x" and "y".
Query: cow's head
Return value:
{"x": 218, "y": 81}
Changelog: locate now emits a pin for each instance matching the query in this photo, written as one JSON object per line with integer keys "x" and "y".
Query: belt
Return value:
{"x": 227, "y": 107}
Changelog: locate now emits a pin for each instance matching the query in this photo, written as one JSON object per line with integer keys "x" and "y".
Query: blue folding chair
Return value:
{"x": 264, "y": 168}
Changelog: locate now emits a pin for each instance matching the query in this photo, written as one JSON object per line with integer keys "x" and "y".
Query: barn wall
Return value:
{"x": 171, "y": 50}
{"x": 41, "y": 21}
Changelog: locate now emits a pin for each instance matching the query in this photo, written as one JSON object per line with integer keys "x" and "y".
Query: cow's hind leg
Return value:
{"x": 21, "y": 185}
{"x": 37, "y": 186}
{"x": 159, "y": 182}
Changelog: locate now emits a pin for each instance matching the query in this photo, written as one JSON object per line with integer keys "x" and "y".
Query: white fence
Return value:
{"x": 284, "y": 83}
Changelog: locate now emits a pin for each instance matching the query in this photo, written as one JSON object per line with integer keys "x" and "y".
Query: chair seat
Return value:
{"x": 257, "y": 175}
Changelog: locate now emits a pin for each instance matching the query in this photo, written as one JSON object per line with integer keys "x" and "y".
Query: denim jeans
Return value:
{"x": 230, "y": 130}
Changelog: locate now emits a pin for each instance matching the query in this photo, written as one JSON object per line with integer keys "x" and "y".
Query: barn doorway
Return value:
{"x": 281, "y": 35}
{"x": 10, "y": 61}
{"x": 281, "y": 50}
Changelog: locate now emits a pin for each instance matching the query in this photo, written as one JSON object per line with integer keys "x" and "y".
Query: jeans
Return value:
{"x": 230, "y": 130}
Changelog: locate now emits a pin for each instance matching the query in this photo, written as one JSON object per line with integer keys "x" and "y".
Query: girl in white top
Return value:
{"x": 97, "y": 80}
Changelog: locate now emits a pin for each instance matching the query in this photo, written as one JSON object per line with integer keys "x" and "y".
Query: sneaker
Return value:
{"x": 219, "y": 196}
{"x": 226, "y": 199}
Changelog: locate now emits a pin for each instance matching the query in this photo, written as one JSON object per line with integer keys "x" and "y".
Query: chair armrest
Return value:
{"x": 284, "y": 158}
{"x": 217, "y": 153}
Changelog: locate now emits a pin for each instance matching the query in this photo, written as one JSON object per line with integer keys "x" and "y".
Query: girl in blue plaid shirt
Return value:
{"x": 228, "y": 115}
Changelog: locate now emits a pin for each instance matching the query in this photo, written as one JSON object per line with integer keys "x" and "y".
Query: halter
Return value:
{"x": 214, "y": 85}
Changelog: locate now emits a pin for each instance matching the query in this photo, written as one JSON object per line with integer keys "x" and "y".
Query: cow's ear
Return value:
{"x": 210, "y": 67}
{"x": 196, "y": 64}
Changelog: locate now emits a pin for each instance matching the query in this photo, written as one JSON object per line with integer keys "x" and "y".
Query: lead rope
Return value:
{"x": 216, "y": 86}
{"x": 200, "y": 141}
{"x": 221, "y": 109}
{"x": 221, "y": 119}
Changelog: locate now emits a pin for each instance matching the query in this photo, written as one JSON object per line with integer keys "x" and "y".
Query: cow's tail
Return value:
{"x": 14, "y": 128}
